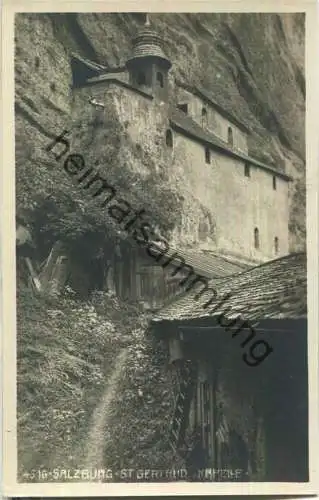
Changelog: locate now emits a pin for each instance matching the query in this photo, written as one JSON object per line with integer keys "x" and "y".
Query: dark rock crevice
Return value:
{"x": 234, "y": 42}
{"x": 75, "y": 31}
{"x": 261, "y": 109}
{"x": 20, "y": 110}
{"x": 29, "y": 103}
{"x": 300, "y": 79}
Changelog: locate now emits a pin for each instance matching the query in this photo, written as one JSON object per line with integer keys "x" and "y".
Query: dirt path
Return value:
{"x": 95, "y": 441}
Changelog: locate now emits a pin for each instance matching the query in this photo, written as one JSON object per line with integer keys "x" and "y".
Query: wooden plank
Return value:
{"x": 35, "y": 280}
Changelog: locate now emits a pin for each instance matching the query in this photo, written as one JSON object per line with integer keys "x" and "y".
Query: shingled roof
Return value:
{"x": 185, "y": 124}
{"x": 148, "y": 44}
{"x": 206, "y": 263}
{"x": 276, "y": 289}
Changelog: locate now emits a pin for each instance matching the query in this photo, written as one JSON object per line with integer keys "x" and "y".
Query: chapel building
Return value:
{"x": 237, "y": 208}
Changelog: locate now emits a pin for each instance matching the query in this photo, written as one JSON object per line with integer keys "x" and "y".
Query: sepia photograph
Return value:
{"x": 160, "y": 268}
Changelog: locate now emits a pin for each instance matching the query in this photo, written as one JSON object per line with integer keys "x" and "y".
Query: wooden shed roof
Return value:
{"x": 205, "y": 263}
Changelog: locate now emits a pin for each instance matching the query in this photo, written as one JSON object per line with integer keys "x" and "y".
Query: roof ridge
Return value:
{"x": 229, "y": 258}
{"x": 188, "y": 125}
{"x": 88, "y": 62}
{"x": 263, "y": 264}
{"x": 182, "y": 252}
{"x": 206, "y": 95}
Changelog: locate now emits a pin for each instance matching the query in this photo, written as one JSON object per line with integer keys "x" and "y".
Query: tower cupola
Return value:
{"x": 148, "y": 65}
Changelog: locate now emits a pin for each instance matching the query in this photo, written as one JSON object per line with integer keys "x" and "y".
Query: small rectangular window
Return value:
{"x": 247, "y": 170}
{"x": 141, "y": 78}
{"x": 207, "y": 155}
{"x": 230, "y": 137}
{"x": 169, "y": 138}
{"x": 274, "y": 182}
{"x": 183, "y": 107}
{"x": 159, "y": 79}
{"x": 256, "y": 238}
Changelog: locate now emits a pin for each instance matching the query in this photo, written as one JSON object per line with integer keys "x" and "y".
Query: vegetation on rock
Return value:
{"x": 67, "y": 349}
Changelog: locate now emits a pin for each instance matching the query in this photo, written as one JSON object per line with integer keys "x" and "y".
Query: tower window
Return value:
{"x": 169, "y": 138}
{"x": 204, "y": 117}
{"x": 247, "y": 170}
{"x": 141, "y": 79}
{"x": 207, "y": 155}
{"x": 256, "y": 237}
{"x": 230, "y": 138}
{"x": 276, "y": 244}
{"x": 274, "y": 182}
{"x": 159, "y": 79}
{"x": 183, "y": 107}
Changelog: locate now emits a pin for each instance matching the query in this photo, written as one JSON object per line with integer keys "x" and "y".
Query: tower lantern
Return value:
{"x": 148, "y": 65}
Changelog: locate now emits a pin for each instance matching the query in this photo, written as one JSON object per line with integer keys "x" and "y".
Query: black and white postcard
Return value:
{"x": 159, "y": 248}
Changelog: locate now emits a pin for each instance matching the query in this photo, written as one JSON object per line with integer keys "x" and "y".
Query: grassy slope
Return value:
{"x": 67, "y": 353}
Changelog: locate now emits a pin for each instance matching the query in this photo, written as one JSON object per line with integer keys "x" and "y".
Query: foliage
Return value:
{"x": 64, "y": 350}
{"x": 143, "y": 410}
{"x": 66, "y": 353}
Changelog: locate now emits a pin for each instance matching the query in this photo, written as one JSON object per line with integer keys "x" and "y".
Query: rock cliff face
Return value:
{"x": 252, "y": 64}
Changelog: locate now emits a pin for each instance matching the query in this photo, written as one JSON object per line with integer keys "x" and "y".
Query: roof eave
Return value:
{"x": 89, "y": 64}
{"x": 97, "y": 80}
{"x": 141, "y": 58}
{"x": 229, "y": 152}
{"x": 220, "y": 109}
{"x": 211, "y": 322}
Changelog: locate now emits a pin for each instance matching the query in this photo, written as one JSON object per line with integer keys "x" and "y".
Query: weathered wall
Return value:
{"x": 224, "y": 408}
{"x": 142, "y": 118}
{"x": 254, "y": 202}
{"x": 237, "y": 399}
{"x": 213, "y": 121}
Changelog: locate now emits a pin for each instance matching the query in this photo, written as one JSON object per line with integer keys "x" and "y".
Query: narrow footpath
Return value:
{"x": 95, "y": 442}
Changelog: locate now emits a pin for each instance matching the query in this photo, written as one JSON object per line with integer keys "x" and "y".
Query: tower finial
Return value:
{"x": 147, "y": 20}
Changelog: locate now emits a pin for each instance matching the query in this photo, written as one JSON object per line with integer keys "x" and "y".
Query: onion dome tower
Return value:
{"x": 148, "y": 65}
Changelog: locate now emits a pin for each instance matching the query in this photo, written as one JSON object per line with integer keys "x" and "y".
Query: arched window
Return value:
{"x": 256, "y": 237}
{"x": 160, "y": 79}
{"x": 141, "y": 79}
{"x": 230, "y": 138}
{"x": 274, "y": 184}
{"x": 207, "y": 155}
{"x": 203, "y": 229}
{"x": 276, "y": 244}
{"x": 204, "y": 117}
{"x": 169, "y": 138}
